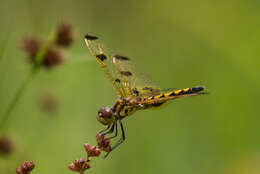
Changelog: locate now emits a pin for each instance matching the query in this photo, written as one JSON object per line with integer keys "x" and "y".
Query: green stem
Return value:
{"x": 7, "y": 115}
{"x": 36, "y": 67}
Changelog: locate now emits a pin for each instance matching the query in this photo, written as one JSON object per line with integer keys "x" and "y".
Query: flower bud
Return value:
{"x": 79, "y": 165}
{"x": 25, "y": 168}
{"x": 91, "y": 150}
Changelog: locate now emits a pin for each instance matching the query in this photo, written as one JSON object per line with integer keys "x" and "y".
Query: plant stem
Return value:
{"x": 7, "y": 114}
{"x": 35, "y": 68}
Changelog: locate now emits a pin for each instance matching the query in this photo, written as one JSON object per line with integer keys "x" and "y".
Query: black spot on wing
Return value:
{"x": 102, "y": 57}
{"x": 125, "y": 73}
{"x": 118, "y": 57}
{"x": 89, "y": 37}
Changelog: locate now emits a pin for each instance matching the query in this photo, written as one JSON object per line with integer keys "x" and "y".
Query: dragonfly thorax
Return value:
{"x": 123, "y": 108}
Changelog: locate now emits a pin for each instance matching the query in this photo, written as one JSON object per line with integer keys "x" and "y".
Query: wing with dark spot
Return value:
{"x": 121, "y": 71}
{"x": 104, "y": 59}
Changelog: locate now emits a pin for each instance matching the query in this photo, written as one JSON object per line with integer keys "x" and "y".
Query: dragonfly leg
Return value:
{"x": 115, "y": 131}
{"x": 120, "y": 141}
{"x": 105, "y": 129}
{"x": 111, "y": 130}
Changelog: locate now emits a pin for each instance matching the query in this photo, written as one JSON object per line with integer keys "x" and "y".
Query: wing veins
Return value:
{"x": 104, "y": 67}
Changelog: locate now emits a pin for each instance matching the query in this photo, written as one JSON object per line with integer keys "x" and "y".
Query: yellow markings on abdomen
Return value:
{"x": 170, "y": 95}
{"x": 176, "y": 93}
{"x": 150, "y": 98}
{"x": 185, "y": 91}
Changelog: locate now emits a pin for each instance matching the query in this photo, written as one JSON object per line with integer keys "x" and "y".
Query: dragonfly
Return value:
{"x": 135, "y": 90}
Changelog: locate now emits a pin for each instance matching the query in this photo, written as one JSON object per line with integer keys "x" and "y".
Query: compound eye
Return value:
{"x": 105, "y": 113}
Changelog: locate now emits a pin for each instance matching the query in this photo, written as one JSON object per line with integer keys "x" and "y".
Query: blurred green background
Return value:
{"x": 179, "y": 44}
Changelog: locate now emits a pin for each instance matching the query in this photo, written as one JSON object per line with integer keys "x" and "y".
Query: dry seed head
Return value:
{"x": 53, "y": 57}
{"x": 31, "y": 45}
{"x": 65, "y": 35}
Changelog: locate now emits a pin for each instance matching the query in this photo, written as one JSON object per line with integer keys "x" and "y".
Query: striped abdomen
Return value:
{"x": 185, "y": 91}
{"x": 158, "y": 100}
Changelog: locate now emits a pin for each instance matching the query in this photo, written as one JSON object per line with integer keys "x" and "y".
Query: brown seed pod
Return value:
{"x": 65, "y": 35}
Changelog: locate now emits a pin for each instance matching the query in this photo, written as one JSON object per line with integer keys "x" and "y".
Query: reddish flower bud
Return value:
{"x": 91, "y": 150}
{"x": 97, "y": 152}
{"x": 79, "y": 165}
{"x": 103, "y": 142}
{"x": 87, "y": 147}
{"x": 100, "y": 137}
{"x": 25, "y": 168}
{"x": 107, "y": 148}
{"x": 72, "y": 167}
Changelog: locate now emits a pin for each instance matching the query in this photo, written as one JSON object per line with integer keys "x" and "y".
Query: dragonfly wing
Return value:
{"x": 105, "y": 59}
{"x": 135, "y": 81}
{"x": 123, "y": 74}
{"x": 126, "y": 79}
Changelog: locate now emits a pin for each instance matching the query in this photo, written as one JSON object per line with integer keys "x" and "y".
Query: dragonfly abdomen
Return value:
{"x": 163, "y": 97}
{"x": 185, "y": 91}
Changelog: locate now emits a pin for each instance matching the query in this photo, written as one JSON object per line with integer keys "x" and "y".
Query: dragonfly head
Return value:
{"x": 105, "y": 116}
